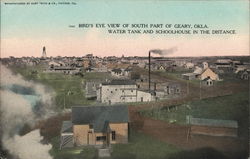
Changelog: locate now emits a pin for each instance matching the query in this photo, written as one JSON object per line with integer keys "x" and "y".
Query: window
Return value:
{"x": 113, "y": 135}
{"x": 111, "y": 91}
{"x": 131, "y": 90}
{"x": 122, "y": 91}
{"x": 101, "y": 138}
{"x": 115, "y": 89}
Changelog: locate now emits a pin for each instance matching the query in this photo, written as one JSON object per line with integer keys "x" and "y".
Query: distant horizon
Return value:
{"x": 25, "y": 29}
{"x": 131, "y": 56}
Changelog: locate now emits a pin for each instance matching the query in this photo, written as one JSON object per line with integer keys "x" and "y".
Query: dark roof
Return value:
{"x": 205, "y": 79}
{"x": 117, "y": 70}
{"x": 66, "y": 127}
{"x": 99, "y": 116}
{"x": 120, "y": 82}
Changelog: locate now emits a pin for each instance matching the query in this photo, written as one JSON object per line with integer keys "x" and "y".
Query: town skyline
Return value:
{"x": 23, "y": 33}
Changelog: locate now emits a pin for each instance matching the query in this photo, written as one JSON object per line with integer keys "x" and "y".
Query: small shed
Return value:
{"x": 213, "y": 127}
{"x": 189, "y": 76}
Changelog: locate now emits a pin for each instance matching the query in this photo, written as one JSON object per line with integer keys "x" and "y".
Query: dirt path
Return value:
{"x": 178, "y": 135}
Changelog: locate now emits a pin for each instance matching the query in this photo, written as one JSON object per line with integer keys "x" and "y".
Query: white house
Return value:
{"x": 189, "y": 65}
{"x": 121, "y": 91}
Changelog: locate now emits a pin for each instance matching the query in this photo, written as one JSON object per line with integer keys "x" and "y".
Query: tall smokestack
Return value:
{"x": 149, "y": 63}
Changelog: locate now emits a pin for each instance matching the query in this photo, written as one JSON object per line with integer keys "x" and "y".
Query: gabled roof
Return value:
{"x": 99, "y": 116}
{"x": 208, "y": 70}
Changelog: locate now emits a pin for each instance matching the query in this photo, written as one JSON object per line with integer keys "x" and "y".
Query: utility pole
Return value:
{"x": 187, "y": 86}
{"x": 200, "y": 90}
{"x": 64, "y": 101}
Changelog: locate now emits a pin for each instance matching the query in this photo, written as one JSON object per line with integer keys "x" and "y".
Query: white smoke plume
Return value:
{"x": 28, "y": 146}
{"x": 164, "y": 52}
{"x": 16, "y": 111}
{"x": 8, "y": 78}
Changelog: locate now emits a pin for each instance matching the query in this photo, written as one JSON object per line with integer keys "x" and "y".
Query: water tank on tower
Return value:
{"x": 44, "y": 53}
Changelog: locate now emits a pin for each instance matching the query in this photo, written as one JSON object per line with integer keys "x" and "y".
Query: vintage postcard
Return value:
{"x": 144, "y": 79}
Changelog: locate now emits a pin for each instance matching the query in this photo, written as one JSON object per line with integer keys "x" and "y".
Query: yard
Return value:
{"x": 69, "y": 89}
{"x": 231, "y": 107}
{"x": 140, "y": 146}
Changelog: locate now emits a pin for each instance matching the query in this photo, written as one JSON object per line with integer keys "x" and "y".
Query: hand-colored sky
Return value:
{"x": 25, "y": 29}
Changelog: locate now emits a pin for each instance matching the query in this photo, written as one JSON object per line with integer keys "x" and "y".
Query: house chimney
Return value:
{"x": 149, "y": 63}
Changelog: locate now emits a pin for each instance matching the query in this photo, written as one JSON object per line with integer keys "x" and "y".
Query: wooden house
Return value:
{"x": 208, "y": 73}
{"x": 99, "y": 125}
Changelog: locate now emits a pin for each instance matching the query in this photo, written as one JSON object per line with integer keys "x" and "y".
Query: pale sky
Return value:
{"x": 25, "y": 29}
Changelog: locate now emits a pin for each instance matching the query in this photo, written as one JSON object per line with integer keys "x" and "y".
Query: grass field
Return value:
{"x": 69, "y": 89}
{"x": 231, "y": 107}
{"x": 140, "y": 146}
{"x": 143, "y": 147}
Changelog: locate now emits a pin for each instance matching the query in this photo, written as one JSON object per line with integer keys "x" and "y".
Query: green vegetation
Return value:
{"x": 140, "y": 146}
{"x": 86, "y": 152}
{"x": 231, "y": 107}
{"x": 143, "y": 147}
{"x": 69, "y": 89}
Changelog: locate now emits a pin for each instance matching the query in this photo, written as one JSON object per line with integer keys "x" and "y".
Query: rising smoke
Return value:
{"x": 16, "y": 110}
{"x": 165, "y": 51}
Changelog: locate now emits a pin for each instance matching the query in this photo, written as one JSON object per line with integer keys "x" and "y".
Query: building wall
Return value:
{"x": 121, "y": 131}
{"x": 143, "y": 96}
{"x": 117, "y": 93}
{"x": 95, "y": 142}
{"x": 80, "y": 134}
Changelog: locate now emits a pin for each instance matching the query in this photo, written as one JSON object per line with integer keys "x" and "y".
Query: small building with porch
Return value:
{"x": 98, "y": 126}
